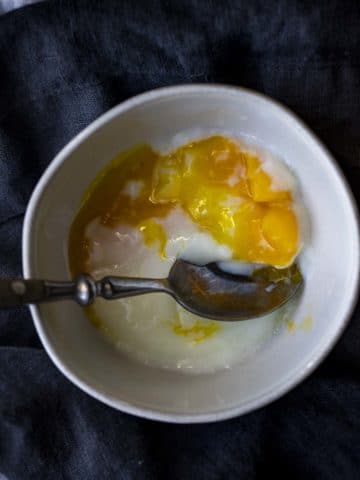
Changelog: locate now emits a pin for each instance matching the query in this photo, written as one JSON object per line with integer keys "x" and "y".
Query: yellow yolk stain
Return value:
{"x": 291, "y": 325}
{"x": 153, "y": 232}
{"x": 220, "y": 186}
{"x": 198, "y": 331}
{"x": 306, "y": 324}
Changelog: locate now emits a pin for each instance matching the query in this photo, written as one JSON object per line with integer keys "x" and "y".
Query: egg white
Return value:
{"x": 142, "y": 326}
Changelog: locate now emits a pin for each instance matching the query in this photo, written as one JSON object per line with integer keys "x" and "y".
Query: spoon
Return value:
{"x": 204, "y": 290}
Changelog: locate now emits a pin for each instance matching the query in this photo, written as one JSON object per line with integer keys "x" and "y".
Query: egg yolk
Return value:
{"x": 222, "y": 187}
{"x": 198, "y": 332}
{"x": 227, "y": 193}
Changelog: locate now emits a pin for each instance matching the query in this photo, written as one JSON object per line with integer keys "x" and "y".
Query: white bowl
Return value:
{"x": 332, "y": 266}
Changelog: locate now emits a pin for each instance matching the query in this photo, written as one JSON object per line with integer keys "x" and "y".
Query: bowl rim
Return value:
{"x": 277, "y": 390}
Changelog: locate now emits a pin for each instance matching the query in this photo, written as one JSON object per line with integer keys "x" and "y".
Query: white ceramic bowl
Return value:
{"x": 332, "y": 269}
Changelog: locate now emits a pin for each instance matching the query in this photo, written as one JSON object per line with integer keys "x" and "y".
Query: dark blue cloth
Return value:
{"x": 62, "y": 64}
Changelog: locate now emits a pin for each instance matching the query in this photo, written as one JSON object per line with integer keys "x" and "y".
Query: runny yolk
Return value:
{"x": 225, "y": 190}
{"x": 198, "y": 331}
{"x": 222, "y": 187}
{"x": 153, "y": 232}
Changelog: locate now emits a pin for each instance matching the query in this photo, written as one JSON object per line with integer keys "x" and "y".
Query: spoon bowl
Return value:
{"x": 210, "y": 292}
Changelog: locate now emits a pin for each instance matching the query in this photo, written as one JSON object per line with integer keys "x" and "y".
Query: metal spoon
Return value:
{"x": 204, "y": 290}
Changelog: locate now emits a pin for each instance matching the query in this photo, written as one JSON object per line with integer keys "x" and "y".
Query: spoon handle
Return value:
{"x": 121, "y": 287}
{"x": 84, "y": 289}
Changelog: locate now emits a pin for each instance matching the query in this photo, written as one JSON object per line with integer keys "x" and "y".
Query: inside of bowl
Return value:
{"x": 330, "y": 262}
